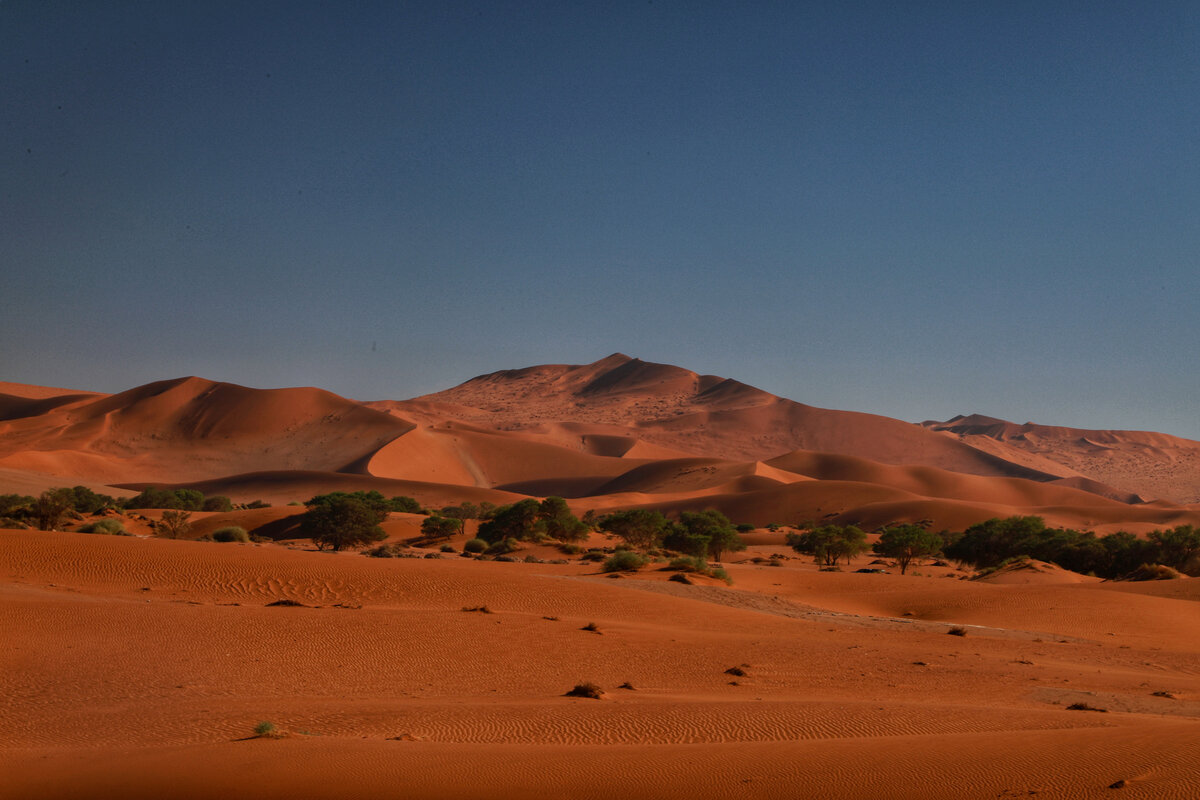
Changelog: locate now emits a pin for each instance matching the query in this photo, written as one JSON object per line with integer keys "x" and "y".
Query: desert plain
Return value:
{"x": 144, "y": 667}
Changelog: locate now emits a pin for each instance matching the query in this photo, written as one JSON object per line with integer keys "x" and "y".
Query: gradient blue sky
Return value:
{"x": 911, "y": 209}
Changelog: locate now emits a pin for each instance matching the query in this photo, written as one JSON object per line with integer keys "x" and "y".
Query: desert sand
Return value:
{"x": 140, "y": 667}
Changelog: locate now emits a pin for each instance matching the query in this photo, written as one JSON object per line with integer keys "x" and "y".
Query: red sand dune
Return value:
{"x": 618, "y": 432}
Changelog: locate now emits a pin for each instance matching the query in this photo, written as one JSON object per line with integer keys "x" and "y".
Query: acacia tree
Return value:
{"x": 704, "y": 533}
{"x": 51, "y": 508}
{"x": 516, "y": 521}
{"x": 437, "y": 528}
{"x": 829, "y": 544}
{"x": 174, "y": 523}
{"x": 906, "y": 542}
{"x": 639, "y": 527}
{"x": 556, "y": 520}
{"x": 340, "y": 520}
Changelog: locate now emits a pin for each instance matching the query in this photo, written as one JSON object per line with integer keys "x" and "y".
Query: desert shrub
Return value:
{"x": 258, "y": 504}
{"x": 217, "y": 502}
{"x": 506, "y": 559}
{"x": 264, "y": 729}
{"x": 178, "y": 499}
{"x": 1153, "y": 572}
{"x": 88, "y": 502}
{"x": 588, "y": 690}
{"x": 15, "y": 505}
{"x": 446, "y": 548}
{"x": 570, "y": 549}
{"x": 688, "y": 564}
{"x": 174, "y": 524}
{"x": 231, "y": 533}
{"x": 743, "y": 527}
{"x": 475, "y": 546}
{"x": 393, "y": 550}
{"x": 110, "y": 527}
{"x": 624, "y": 561}
{"x": 502, "y": 547}
{"x": 12, "y": 523}
{"x": 404, "y": 503}
{"x": 593, "y": 555}
{"x": 957, "y": 631}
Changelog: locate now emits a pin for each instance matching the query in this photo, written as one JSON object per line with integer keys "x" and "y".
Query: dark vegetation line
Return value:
{"x": 339, "y": 520}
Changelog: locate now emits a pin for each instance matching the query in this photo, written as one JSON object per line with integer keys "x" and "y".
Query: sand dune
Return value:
{"x": 616, "y": 433}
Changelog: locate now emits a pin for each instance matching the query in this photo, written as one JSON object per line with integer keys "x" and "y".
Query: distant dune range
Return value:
{"x": 616, "y": 433}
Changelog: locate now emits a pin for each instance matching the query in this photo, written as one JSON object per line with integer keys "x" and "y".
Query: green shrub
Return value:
{"x": 264, "y": 729}
{"x": 593, "y": 555}
{"x": 502, "y": 547}
{"x": 570, "y": 549}
{"x": 624, "y": 561}
{"x": 447, "y": 548}
{"x": 110, "y": 527}
{"x": 475, "y": 546}
{"x": 231, "y": 533}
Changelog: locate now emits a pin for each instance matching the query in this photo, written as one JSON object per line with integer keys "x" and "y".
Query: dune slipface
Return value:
{"x": 139, "y": 667}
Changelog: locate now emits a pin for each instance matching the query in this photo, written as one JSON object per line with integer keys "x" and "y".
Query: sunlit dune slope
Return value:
{"x": 1150, "y": 464}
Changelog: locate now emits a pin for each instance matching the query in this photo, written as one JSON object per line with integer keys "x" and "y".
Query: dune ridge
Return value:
{"x": 619, "y": 432}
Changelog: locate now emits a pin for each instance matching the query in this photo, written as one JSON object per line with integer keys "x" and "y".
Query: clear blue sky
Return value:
{"x": 912, "y": 209}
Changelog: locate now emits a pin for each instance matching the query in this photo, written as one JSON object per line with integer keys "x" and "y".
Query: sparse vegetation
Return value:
{"x": 624, "y": 561}
{"x": 265, "y": 729}
{"x": 109, "y": 527}
{"x": 957, "y": 631}
{"x": 475, "y": 546}
{"x": 588, "y": 690}
{"x": 231, "y": 533}
{"x": 174, "y": 524}
{"x": 829, "y": 544}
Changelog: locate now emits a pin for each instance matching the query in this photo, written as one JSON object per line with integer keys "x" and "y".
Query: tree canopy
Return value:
{"x": 906, "y": 542}
{"x": 829, "y": 544}
{"x": 339, "y": 521}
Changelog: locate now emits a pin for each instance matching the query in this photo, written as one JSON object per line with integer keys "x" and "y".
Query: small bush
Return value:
{"x": 109, "y": 527}
{"x": 233, "y": 533}
{"x": 593, "y": 555}
{"x": 591, "y": 627}
{"x": 502, "y": 547}
{"x": 957, "y": 631}
{"x": 264, "y": 729}
{"x": 570, "y": 549}
{"x": 624, "y": 561}
{"x": 475, "y": 546}
{"x": 588, "y": 690}
{"x": 447, "y": 548}
{"x": 394, "y": 550}
{"x": 1085, "y": 707}
{"x": 477, "y": 609}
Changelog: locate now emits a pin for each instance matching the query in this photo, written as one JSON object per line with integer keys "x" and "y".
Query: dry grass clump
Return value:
{"x": 477, "y": 609}
{"x": 591, "y": 627}
{"x": 1153, "y": 572}
{"x": 1085, "y": 707}
{"x": 957, "y": 631}
{"x": 588, "y": 690}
